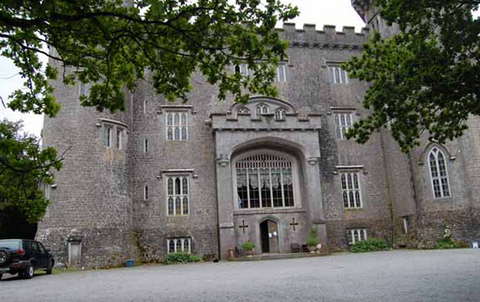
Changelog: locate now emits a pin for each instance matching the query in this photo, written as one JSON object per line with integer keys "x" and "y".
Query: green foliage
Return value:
{"x": 448, "y": 243}
{"x": 369, "y": 245}
{"x": 180, "y": 258}
{"x": 24, "y": 166}
{"x": 426, "y": 79}
{"x": 248, "y": 246}
{"x": 111, "y": 45}
{"x": 312, "y": 239}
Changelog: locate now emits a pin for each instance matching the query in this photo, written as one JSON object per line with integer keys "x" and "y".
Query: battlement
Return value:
{"x": 309, "y": 36}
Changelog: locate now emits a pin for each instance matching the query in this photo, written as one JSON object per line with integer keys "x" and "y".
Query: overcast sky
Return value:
{"x": 319, "y": 12}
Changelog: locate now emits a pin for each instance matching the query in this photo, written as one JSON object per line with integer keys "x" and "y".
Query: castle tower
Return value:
{"x": 421, "y": 209}
{"x": 89, "y": 221}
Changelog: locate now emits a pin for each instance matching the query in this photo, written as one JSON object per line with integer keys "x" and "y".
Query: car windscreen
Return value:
{"x": 11, "y": 245}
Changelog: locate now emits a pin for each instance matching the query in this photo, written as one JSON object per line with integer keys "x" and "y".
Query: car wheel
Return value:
{"x": 28, "y": 273}
{"x": 50, "y": 267}
{"x": 4, "y": 254}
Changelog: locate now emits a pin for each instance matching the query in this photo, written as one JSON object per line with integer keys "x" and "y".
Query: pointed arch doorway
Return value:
{"x": 269, "y": 236}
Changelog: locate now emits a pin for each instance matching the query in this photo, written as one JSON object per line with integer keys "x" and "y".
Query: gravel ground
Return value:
{"x": 440, "y": 275}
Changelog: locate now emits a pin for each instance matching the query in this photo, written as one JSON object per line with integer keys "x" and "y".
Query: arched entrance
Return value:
{"x": 269, "y": 236}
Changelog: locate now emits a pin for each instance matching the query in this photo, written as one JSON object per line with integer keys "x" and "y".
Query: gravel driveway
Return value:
{"x": 440, "y": 275}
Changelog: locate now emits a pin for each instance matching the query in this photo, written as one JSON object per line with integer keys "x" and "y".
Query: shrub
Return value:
{"x": 370, "y": 245}
{"x": 180, "y": 258}
{"x": 312, "y": 239}
{"x": 448, "y": 243}
{"x": 248, "y": 246}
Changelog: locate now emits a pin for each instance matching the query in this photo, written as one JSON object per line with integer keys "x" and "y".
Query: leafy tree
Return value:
{"x": 425, "y": 79}
{"x": 24, "y": 166}
{"x": 111, "y": 43}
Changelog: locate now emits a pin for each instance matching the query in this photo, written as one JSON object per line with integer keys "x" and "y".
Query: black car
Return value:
{"x": 23, "y": 257}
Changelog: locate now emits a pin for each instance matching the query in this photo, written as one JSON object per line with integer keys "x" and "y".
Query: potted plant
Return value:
{"x": 248, "y": 248}
{"x": 312, "y": 240}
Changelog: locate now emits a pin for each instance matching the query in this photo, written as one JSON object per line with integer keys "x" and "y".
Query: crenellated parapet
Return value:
{"x": 310, "y": 37}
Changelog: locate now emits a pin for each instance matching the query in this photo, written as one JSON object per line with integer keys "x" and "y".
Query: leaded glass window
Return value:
{"x": 177, "y": 126}
{"x": 351, "y": 192}
{"x": 356, "y": 235}
{"x": 343, "y": 122}
{"x": 264, "y": 181}
{"x": 261, "y": 109}
{"x": 179, "y": 245}
{"x": 438, "y": 173}
{"x": 178, "y": 199}
{"x": 337, "y": 75}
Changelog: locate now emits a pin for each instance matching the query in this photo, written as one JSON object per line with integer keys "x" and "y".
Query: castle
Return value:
{"x": 205, "y": 176}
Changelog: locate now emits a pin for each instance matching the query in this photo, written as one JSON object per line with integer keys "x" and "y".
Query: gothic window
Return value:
{"x": 337, "y": 75}
{"x": 281, "y": 74}
{"x": 178, "y": 196}
{"x": 438, "y": 173}
{"x": 343, "y": 122}
{"x": 356, "y": 235}
{"x": 261, "y": 109}
{"x": 179, "y": 245}
{"x": 177, "y": 126}
{"x": 243, "y": 110}
{"x": 351, "y": 192}
{"x": 244, "y": 70}
{"x": 280, "y": 114}
{"x": 264, "y": 181}
{"x": 107, "y": 135}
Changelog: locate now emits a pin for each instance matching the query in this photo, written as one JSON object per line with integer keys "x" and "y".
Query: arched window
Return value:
{"x": 178, "y": 196}
{"x": 280, "y": 114}
{"x": 261, "y": 109}
{"x": 438, "y": 173}
{"x": 264, "y": 181}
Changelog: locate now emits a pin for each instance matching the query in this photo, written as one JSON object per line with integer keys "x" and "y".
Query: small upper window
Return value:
{"x": 281, "y": 74}
{"x": 83, "y": 89}
{"x": 343, "y": 122}
{"x": 119, "y": 138}
{"x": 280, "y": 114}
{"x": 261, "y": 109}
{"x": 438, "y": 173}
{"x": 107, "y": 135}
{"x": 177, "y": 126}
{"x": 337, "y": 75}
{"x": 145, "y": 145}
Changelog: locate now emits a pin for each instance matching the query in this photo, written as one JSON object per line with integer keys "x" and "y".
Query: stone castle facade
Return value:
{"x": 205, "y": 176}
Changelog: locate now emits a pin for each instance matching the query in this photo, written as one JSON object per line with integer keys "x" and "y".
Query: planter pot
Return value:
{"x": 312, "y": 249}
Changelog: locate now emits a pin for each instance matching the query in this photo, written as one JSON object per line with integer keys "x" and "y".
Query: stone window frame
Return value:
{"x": 336, "y": 74}
{"x": 172, "y": 126}
{"x": 172, "y": 245}
{"x": 280, "y": 74}
{"x": 355, "y": 235}
{"x": 145, "y": 192}
{"x": 439, "y": 179}
{"x": 280, "y": 114}
{"x": 107, "y": 135}
{"x": 119, "y": 137}
{"x": 406, "y": 224}
{"x": 175, "y": 202}
{"x": 343, "y": 121}
{"x": 295, "y": 180}
{"x": 351, "y": 190}
{"x": 261, "y": 109}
